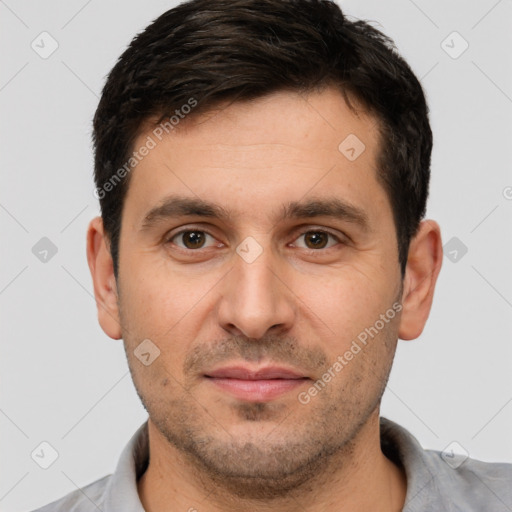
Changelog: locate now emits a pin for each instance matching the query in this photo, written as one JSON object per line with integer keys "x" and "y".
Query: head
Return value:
{"x": 262, "y": 168}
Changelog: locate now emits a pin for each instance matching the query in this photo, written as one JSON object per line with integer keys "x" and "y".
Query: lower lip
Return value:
{"x": 257, "y": 390}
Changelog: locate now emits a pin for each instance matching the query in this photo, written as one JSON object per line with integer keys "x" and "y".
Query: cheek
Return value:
{"x": 169, "y": 309}
{"x": 156, "y": 298}
{"x": 346, "y": 301}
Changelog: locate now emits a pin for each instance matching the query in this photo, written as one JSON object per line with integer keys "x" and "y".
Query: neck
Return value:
{"x": 361, "y": 478}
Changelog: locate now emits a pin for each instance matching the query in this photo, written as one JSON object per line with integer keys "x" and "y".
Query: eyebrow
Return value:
{"x": 175, "y": 206}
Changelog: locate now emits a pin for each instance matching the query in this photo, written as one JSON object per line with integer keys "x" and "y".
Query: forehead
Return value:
{"x": 262, "y": 153}
{"x": 285, "y": 117}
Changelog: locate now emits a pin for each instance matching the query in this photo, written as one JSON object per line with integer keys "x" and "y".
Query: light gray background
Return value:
{"x": 67, "y": 383}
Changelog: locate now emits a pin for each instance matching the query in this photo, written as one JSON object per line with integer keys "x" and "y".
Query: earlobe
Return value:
{"x": 423, "y": 266}
{"x": 102, "y": 273}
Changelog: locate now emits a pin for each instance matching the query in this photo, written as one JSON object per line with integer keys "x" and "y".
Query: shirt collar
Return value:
{"x": 400, "y": 446}
{"x": 121, "y": 492}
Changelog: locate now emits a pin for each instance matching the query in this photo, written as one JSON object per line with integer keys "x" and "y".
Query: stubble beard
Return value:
{"x": 302, "y": 448}
{"x": 306, "y": 443}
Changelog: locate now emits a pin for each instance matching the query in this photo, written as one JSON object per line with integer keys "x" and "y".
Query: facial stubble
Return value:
{"x": 304, "y": 439}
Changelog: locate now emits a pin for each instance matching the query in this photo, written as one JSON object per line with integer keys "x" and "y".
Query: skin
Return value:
{"x": 295, "y": 305}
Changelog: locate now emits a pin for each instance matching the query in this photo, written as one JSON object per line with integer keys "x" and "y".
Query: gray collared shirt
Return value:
{"x": 436, "y": 482}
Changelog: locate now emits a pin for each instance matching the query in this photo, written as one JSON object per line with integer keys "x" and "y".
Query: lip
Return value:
{"x": 245, "y": 373}
{"x": 261, "y": 384}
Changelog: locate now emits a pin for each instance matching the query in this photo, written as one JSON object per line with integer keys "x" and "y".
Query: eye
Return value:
{"x": 191, "y": 239}
{"x": 318, "y": 239}
{"x": 195, "y": 239}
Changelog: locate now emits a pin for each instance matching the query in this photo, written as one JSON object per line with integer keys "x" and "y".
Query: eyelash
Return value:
{"x": 313, "y": 230}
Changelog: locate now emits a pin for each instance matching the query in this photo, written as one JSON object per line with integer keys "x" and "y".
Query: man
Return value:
{"x": 262, "y": 168}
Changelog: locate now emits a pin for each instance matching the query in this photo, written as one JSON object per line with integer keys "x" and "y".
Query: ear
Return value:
{"x": 423, "y": 266}
{"x": 102, "y": 272}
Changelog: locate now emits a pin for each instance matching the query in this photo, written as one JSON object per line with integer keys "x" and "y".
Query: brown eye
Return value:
{"x": 317, "y": 240}
{"x": 190, "y": 239}
{"x": 193, "y": 239}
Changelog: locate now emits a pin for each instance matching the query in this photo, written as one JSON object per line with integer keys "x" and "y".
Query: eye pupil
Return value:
{"x": 317, "y": 239}
{"x": 193, "y": 239}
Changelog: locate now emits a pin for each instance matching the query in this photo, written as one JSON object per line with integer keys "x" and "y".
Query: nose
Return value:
{"x": 256, "y": 298}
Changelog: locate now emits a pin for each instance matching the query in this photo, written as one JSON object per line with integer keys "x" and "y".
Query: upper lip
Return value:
{"x": 244, "y": 373}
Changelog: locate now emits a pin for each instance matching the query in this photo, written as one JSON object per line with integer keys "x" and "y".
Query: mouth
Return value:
{"x": 256, "y": 385}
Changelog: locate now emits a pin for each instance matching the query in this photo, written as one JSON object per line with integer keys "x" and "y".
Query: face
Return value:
{"x": 255, "y": 255}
